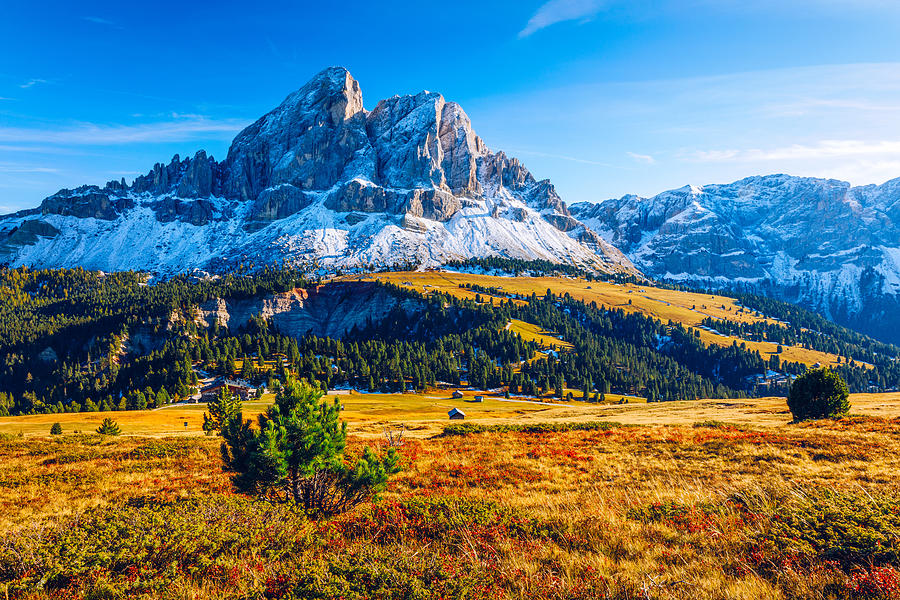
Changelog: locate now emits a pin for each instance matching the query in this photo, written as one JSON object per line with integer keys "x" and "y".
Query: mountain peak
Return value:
{"x": 318, "y": 179}
{"x": 334, "y": 86}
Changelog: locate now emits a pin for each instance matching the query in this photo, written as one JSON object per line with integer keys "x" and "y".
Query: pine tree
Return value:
{"x": 109, "y": 427}
{"x": 296, "y": 455}
{"x": 223, "y": 407}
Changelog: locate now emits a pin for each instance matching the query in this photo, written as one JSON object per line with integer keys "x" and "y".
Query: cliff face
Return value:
{"x": 319, "y": 180}
{"x": 327, "y": 311}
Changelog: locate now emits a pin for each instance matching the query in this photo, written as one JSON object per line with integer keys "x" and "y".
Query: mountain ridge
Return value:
{"x": 318, "y": 181}
{"x": 822, "y": 243}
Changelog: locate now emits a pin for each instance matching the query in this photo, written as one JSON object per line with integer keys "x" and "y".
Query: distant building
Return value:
{"x": 456, "y": 414}
{"x": 479, "y": 399}
{"x": 241, "y": 389}
{"x": 457, "y": 394}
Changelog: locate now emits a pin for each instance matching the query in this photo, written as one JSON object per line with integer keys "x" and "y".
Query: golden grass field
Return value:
{"x": 533, "y": 333}
{"x": 665, "y": 509}
{"x": 688, "y": 308}
{"x": 426, "y": 414}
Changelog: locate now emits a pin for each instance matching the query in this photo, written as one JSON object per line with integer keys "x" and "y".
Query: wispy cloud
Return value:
{"x": 558, "y": 11}
{"x": 102, "y": 21}
{"x": 821, "y": 150}
{"x": 583, "y": 161}
{"x": 16, "y": 168}
{"x": 642, "y": 158}
{"x": 32, "y": 83}
{"x": 90, "y": 134}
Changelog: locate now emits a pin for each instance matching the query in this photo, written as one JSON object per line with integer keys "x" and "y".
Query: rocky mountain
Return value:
{"x": 816, "y": 242}
{"x": 322, "y": 181}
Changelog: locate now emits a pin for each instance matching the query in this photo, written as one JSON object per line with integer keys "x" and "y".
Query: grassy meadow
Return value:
{"x": 425, "y": 414}
{"x": 705, "y": 499}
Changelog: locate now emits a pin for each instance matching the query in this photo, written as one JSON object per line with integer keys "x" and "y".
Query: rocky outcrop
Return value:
{"x": 28, "y": 233}
{"x": 195, "y": 177}
{"x": 310, "y": 141}
{"x": 86, "y": 202}
{"x": 328, "y": 310}
{"x": 361, "y": 196}
{"x": 424, "y": 141}
{"x": 278, "y": 203}
{"x": 196, "y": 212}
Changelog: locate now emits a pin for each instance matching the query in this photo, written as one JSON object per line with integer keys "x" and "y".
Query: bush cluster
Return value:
{"x": 853, "y": 529}
{"x": 470, "y": 428}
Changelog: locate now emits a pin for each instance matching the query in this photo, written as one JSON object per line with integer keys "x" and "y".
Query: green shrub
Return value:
{"x": 818, "y": 393}
{"x": 296, "y": 455}
{"x": 223, "y": 407}
{"x": 852, "y": 528}
{"x": 164, "y": 542}
{"x": 109, "y": 427}
{"x": 56, "y": 429}
{"x": 384, "y": 573}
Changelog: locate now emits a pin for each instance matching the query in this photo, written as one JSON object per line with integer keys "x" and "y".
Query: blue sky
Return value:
{"x": 602, "y": 97}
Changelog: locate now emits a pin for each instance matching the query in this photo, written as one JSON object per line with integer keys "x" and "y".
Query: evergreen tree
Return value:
{"x": 817, "y": 394}
{"x": 296, "y": 455}
{"x": 109, "y": 427}
{"x": 223, "y": 407}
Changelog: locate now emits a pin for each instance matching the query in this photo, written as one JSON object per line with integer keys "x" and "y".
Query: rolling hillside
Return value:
{"x": 688, "y": 308}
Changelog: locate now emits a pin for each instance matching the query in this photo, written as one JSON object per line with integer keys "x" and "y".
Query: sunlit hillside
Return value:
{"x": 688, "y": 308}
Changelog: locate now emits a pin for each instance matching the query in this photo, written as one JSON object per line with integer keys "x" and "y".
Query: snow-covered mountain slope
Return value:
{"x": 319, "y": 180}
{"x": 816, "y": 242}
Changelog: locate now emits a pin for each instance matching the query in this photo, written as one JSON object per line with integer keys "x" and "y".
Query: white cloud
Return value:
{"x": 857, "y": 161}
{"x": 32, "y": 83}
{"x": 558, "y": 11}
{"x": 825, "y": 149}
{"x": 102, "y": 21}
{"x": 14, "y": 168}
{"x": 642, "y": 158}
{"x": 90, "y": 134}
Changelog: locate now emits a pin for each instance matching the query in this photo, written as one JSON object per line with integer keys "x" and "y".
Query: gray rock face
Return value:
{"x": 434, "y": 204}
{"x": 86, "y": 202}
{"x": 329, "y": 310}
{"x": 424, "y": 141}
{"x": 500, "y": 171}
{"x": 817, "y": 242}
{"x": 309, "y": 141}
{"x": 189, "y": 178}
{"x": 278, "y": 203}
{"x": 28, "y": 233}
{"x": 196, "y": 212}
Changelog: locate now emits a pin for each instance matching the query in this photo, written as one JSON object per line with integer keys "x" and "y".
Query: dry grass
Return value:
{"x": 582, "y": 506}
{"x": 426, "y": 414}
{"x": 532, "y": 333}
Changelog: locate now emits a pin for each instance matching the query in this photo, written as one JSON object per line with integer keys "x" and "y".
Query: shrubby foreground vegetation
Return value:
{"x": 804, "y": 511}
{"x": 566, "y": 509}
